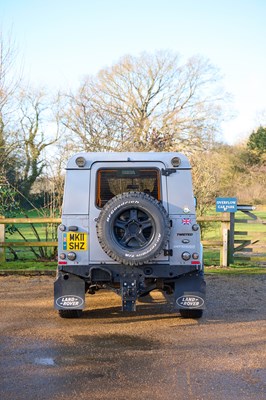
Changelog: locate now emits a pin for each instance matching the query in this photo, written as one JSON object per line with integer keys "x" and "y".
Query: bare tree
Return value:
{"x": 33, "y": 130}
{"x": 9, "y": 81}
{"x": 9, "y": 77}
{"x": 25, "y": 120}
{"x": 152, "y": 101}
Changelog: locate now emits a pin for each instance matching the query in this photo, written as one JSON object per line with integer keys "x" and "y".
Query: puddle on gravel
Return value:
{"x": 44, "y": 361}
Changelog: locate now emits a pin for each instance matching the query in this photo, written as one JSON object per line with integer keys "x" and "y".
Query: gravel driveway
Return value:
{"x": 152, "y": 354}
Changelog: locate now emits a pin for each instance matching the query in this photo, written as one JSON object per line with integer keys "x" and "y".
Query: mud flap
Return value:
{"x": 190, "y": 292}
{"x": 69, "y": 293}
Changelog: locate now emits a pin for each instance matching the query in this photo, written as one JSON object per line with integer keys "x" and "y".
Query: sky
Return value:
{"x": 61, "y": 41}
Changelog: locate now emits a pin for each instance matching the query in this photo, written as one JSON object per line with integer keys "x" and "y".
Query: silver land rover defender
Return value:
{"x": 129, "y": 225}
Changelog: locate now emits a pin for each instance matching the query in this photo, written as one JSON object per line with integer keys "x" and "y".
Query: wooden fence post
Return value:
{"x": 224, "y": 249}
{"x": 232, "y": 238}
{"x": 2, "y": 239}
{"x": 224, "y": 252}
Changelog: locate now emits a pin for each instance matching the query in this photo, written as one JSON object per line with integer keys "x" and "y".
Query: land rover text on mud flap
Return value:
{"x": 129, "y": 225}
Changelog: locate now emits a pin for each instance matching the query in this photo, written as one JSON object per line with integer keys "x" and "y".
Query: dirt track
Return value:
{"x": 152, "y": 354}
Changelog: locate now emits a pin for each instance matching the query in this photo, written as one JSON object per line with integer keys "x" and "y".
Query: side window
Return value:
{"x": 111, "y": 182}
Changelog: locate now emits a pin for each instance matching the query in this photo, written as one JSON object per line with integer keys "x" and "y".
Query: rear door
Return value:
{"x": 113, "y": 178}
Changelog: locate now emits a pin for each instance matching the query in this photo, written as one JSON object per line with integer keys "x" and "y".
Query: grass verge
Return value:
{"x": 236, "y": 270}
{"x": 30, "y": 266}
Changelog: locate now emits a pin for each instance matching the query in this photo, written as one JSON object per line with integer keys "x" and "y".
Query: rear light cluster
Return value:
{"x": 187, "y": 256}
{"x": 71, "y": 256}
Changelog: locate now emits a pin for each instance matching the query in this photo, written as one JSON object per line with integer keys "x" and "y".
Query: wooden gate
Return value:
{"x": 247, "y": 237}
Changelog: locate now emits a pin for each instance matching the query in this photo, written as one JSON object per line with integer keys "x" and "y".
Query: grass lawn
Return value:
{"x": 30, "y": 232}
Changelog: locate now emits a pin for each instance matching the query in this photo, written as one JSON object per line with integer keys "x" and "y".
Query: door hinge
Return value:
{"x": 168, "y": 171}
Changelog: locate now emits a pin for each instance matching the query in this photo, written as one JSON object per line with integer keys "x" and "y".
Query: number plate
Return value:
{"x": 75, "y": 241}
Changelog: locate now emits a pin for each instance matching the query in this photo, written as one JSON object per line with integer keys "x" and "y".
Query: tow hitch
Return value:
{"x": 128, "y": 292}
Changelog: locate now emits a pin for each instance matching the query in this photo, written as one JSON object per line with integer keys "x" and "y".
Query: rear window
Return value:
{"x": 111, "y": 182}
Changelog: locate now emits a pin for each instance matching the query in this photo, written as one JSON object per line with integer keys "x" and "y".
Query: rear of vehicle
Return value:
{"x": 129, "y": 225}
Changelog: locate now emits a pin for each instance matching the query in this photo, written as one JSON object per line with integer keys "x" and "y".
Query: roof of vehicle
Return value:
{"x": 164, "y": 157}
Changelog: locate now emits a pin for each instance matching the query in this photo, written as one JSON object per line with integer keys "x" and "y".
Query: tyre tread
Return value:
{"x": 108, "y": 208}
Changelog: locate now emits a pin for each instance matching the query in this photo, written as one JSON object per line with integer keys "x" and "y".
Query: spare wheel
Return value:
{"x": 133, "y": 228}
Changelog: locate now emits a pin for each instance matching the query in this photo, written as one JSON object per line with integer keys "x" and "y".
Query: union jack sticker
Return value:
{"x": 186, "y": 221}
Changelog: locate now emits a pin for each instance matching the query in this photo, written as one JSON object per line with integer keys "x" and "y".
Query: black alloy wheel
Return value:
{"x": 133, "y": 228}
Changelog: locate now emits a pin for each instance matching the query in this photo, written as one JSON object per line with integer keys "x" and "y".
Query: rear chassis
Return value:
{"x": 187, "y": 285}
